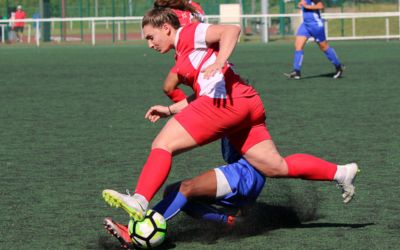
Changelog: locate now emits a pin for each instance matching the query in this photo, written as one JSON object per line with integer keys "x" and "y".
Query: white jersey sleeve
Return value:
{"x": 200, "y": 36}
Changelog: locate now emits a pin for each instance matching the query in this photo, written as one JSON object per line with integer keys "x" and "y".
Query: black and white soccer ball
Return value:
{"x": 150, "y": 232}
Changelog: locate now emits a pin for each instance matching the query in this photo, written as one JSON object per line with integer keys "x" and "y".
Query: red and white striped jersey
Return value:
{"x": 192, "y": 55}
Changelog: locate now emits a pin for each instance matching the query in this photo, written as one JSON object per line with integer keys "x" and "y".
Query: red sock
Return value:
{"x": 310, "y": 167}
{"x": 176, "y": 95}
{"x": 154, "y": 173}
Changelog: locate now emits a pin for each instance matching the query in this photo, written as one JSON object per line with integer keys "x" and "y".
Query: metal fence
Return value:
{"x": 101, "y": 8}
{"x": 256, "y": 28}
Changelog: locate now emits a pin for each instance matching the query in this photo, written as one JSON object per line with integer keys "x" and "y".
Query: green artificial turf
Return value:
{"x": 72, "y": 124}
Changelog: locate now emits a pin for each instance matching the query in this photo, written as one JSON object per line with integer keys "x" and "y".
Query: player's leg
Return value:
{"x": 302, "y": 166}
{"x": 206, "y": 211}
{"x": 302, "y": 36}
{"x": 330, "y": 53}
{"x": 203, "y": 185}
{"x": 260, "y": 151}
{"x": 318, "y": 33}
{"x": 194, "y": 197}
{"x": 172, "y": 138}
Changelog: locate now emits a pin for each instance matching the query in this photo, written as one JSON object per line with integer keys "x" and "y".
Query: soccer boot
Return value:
{"x": 347, "y": 184}
{"x": 339, "y": 72}
{"x": 118, "y": 231}
{"x": 293, "y": 75}
{"x": 234, "y": 220}
{"x": 128, "y": 203}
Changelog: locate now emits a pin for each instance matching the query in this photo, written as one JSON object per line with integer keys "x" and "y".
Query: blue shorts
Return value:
{"x": 245, "y": 183}
{"x": 314, "y": 29}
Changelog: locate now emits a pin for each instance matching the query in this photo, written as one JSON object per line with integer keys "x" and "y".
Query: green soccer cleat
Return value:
{"x": 128, "y": 203}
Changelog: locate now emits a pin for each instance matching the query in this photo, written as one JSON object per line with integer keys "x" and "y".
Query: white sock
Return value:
{"x": 341, "y": 173}
{"x": 142, "y": 200}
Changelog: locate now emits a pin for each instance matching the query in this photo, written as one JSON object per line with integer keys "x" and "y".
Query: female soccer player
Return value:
{"x": 223, "y": 105}
{"x": 312, "y": 26}
{"x": 189, "y": 12}
{"x": 236, "y": 186}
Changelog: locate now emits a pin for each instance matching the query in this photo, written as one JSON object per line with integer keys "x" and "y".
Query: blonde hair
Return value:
{"x": 157, "y": 17}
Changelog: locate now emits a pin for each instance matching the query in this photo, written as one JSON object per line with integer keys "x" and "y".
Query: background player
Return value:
{"x": 236, "y": 186}
{"x": 312, "y": 26}
{"x": 223, "y": 105}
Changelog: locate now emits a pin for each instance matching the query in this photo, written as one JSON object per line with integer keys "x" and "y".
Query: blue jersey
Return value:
{"x": 245, "y": 182}
{"x": 311, "y": 16}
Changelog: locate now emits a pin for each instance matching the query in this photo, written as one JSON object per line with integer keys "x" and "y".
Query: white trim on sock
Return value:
{"x": 341, "y": 173}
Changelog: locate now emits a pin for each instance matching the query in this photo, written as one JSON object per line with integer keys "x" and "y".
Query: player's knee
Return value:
{"x": 276, "y": 168}
{"x": 186, "y": 187}
{"x": 161, "y": 144}
{"x": 323, "y": 46}
{"x": 171, "y": 188}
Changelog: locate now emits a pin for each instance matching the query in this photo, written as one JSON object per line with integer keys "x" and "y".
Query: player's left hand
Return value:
{"x": 212, "y": 69}
{"x": 156, "y": 112}
{"x": 301, "y": 3}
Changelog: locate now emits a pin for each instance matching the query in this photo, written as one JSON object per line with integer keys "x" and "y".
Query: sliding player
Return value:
{"x": 312, "y": 26}
{"x": 236, "y": 185}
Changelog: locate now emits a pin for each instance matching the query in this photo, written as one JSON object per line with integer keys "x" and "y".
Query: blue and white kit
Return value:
{"x": 238, "y": 184}
{"x": 313, "y": 24}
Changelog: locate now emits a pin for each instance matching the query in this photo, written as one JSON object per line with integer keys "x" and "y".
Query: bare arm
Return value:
{"x": 158, "y": 111}
{"x": 170, "y": 83}
{"x": 318, "y": 6}
{"x": 227, "y": 37}
{"x": 178, "y": 106}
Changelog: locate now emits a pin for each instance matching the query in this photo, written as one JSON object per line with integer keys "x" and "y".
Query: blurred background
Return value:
{"x": 118, "y": 21}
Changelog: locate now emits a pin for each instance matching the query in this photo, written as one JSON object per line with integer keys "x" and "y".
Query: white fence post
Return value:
{"x": 29, "y": 33}
{"x": 387, "y": 29}
{"x": 37, "y": 34}
{"x": 119, "y": 31}
{"x": 93, "y": 32}
{"x": 2, "y": 33}
{"x": 354, "y": 26}
{"x": 326, "y": 29}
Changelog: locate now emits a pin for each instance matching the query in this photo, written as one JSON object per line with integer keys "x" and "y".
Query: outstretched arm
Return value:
{"x": 158, "y": 111}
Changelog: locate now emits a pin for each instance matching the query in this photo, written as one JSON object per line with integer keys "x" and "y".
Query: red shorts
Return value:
{"x": 242, "y": 120}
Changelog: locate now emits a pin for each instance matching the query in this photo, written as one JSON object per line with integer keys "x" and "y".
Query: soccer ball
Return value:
{"x": 149, "y": 232}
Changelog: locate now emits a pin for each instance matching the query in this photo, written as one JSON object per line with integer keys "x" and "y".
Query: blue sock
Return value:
{"x": 298, "y": 60}
{"x": 332, "y": 57}
{"x": 205, "y": 212}
{"x": 171, "y": 205}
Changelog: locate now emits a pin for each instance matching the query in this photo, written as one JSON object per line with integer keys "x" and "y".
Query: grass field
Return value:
{"x": 71, "y": 125}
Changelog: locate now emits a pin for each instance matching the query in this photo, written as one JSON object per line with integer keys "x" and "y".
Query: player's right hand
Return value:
{"x": 156, "y": 112}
